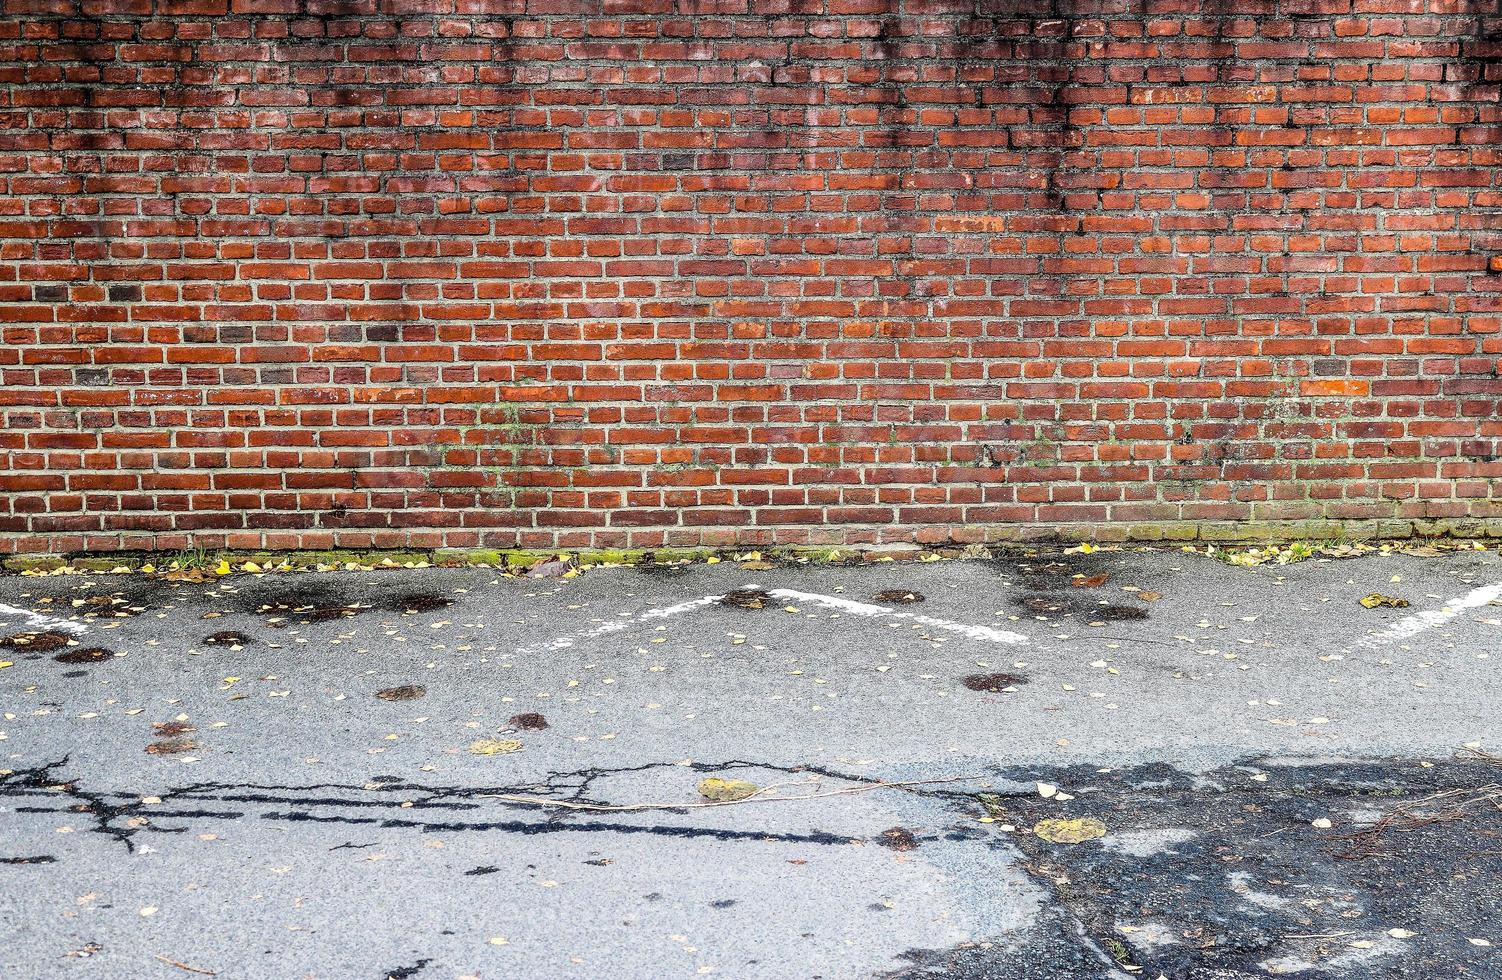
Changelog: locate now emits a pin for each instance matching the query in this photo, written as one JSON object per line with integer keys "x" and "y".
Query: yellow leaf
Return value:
{"x": 494, "y": 746}
{"x": 726, "y": 790}
{"x": 1075, "y": 831}
{"x": 6, "y": 663}
{"x": 222, "y": 568}
{"x": 250, "y": 566}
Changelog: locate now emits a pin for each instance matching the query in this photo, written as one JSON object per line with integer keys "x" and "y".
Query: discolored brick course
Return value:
{"x": 642, "y": 273}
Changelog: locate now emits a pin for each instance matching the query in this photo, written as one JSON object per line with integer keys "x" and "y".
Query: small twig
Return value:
{"x": 184, "y": 966}
{"x": 758, "y": 797}
{"x": 1319, "y": 935}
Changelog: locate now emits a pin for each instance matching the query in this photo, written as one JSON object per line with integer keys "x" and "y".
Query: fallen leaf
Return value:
{"x": 726, "y": 790}
{"x": 1076, "y": 831}
{"x": 1090, "y": 581}
{"x": 1401, "y": 933}
{"x": 1322, "y": 823}
{"x": 494, "y": 746}
{"x": 1378, "y": 599}
{"x": 1149, "y": 596}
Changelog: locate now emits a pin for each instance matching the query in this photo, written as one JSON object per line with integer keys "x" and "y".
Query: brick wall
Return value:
{"x": 669, "y": 272}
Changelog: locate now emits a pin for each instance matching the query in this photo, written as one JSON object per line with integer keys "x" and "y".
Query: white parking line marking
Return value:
{"x": 866, "y": 609}
{"x": 605, "y": 629}
{"x": 39, "y": 623}
{"x": 873, "y": 611}
{"x": 1410, "y": 626}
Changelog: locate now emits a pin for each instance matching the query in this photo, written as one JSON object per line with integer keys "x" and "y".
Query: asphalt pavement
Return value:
{"x": 1049, "y": 765}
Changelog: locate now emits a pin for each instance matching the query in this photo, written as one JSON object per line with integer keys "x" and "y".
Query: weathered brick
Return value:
{"x": 739, "y": 271}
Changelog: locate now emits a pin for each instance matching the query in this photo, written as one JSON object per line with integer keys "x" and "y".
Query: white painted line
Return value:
{"x": 605, "y": 629}
{"x": 38, "y": 623}
{"x": 873, "y": 611}
{"x": 1410, "y": 626}
{"x": 851, "y": 606}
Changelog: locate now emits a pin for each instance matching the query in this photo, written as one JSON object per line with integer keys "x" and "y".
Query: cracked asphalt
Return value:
{"x": 1291, "y": 784}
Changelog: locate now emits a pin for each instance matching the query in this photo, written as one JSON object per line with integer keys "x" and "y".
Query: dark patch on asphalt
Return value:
{"x": 44, "y": 642}
{"x": 484, "y": 869}
{"x": 114, "y": 606}
{"x": 38, "y": 859}
{"x": 228, "y": 638}
{"x": 407, "y": 692}
{"x": 92, "y": 655}
{"x": 658, "y": 570}
{"x": 722, "y": 903}
{"x": 899, "y": 597}
{"x": 992, "y": 683}
{"x": 528, "y": 721}
{"x": 169, "y": 729}
{"x": 897, "y": 839}
{"x": 1223, "y": 876}
{"x": 747, "y": 598}
{"x": 406, "y": 972}
{"x": 315, "y": 604}
{"x": 416, "y": 603}
{"x": 1114, "y": 613}
{"x": 1045, "y": 604}
{"x": 175, "y": 746}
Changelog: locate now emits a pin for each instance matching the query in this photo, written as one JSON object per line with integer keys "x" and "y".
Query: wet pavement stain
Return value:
{"x": 407, "y": 692}
{"x": 228, "y": 638}
{"x": 174, "y": 746}
{"x": 418, "y": 603}
{"x": 1115, "y": 613}
{"x": 992, "y": 683}
{"x": 747, "y": 598}
{"x": 897, "y": 839}
{"x": 36, "y": 642}
{"x": 114, "y": 606}
{"x": 314, "y": 604}
{"x": 92, "y": 655}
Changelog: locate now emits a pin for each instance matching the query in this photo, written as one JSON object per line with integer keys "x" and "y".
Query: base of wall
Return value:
{"x": 689, "y": 541}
